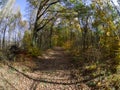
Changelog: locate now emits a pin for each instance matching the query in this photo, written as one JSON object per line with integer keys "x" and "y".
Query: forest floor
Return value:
{"x": 51, "y": 71}
{"x": 54, "y": 70}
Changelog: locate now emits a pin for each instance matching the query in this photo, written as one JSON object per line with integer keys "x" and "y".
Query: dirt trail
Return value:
{"x": 52, "y": 71}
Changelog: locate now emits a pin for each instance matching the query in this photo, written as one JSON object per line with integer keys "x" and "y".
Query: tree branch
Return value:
{"x": 46, "y": 9}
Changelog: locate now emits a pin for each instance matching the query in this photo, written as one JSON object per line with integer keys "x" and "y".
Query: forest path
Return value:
{"x": 51, "y": 71}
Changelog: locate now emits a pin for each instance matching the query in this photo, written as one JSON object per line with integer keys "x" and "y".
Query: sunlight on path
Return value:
{"x": 47, "y": 73}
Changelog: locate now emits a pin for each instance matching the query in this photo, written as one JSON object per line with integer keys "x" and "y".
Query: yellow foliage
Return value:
{"x": 91, "y": 67}
{"x": 34, "y": 51}
{"x": 76, "y": 52}
{"x": 108, "y": 33}
{"x": 56, "y": 41}
{"x": 118, "y": 43}
{"x": 68, "y": 44}
{"x": 99, "y": 84}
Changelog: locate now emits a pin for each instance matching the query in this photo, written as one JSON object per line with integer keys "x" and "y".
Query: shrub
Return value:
{"x": 34, "y": 51}
{"x": 68, "y": 45}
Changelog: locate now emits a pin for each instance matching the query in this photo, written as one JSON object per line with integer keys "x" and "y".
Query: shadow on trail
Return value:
{"x": 56, "y": 59}
{"x": 53, "y": 81}
{"x": 56, "y": 63}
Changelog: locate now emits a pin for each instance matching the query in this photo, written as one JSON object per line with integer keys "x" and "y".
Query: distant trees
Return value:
{"x": 88, "y": 30}
{"x": 77, "y": 25}
{"x": 11, "y": 25}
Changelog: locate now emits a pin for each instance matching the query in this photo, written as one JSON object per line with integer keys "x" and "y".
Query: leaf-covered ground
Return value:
{"x": 51, "y": 71}
{"x": 54, "y": 70}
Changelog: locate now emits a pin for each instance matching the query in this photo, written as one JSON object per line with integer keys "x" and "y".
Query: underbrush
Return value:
{"x": 97, "y": 69}
{"x": 34, "y": 51}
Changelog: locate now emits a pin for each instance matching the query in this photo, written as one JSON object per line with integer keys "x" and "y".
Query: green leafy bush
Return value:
{"x": 114, "y": 82}
{"x": 34, "y": 51}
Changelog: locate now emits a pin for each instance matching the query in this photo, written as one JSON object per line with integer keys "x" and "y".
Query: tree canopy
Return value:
{"x": 88, "y": 30}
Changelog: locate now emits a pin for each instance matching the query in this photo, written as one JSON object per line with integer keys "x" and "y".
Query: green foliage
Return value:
{"x": 27, "y": 42}
{"x": 68, "y": 45}
{"x": 91, "y": 67}
{"x": 114, "y": 82}
{"x": 27, "y": 39}
{"x": 89, "y": 32}
{"x": 34, "y": 51}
